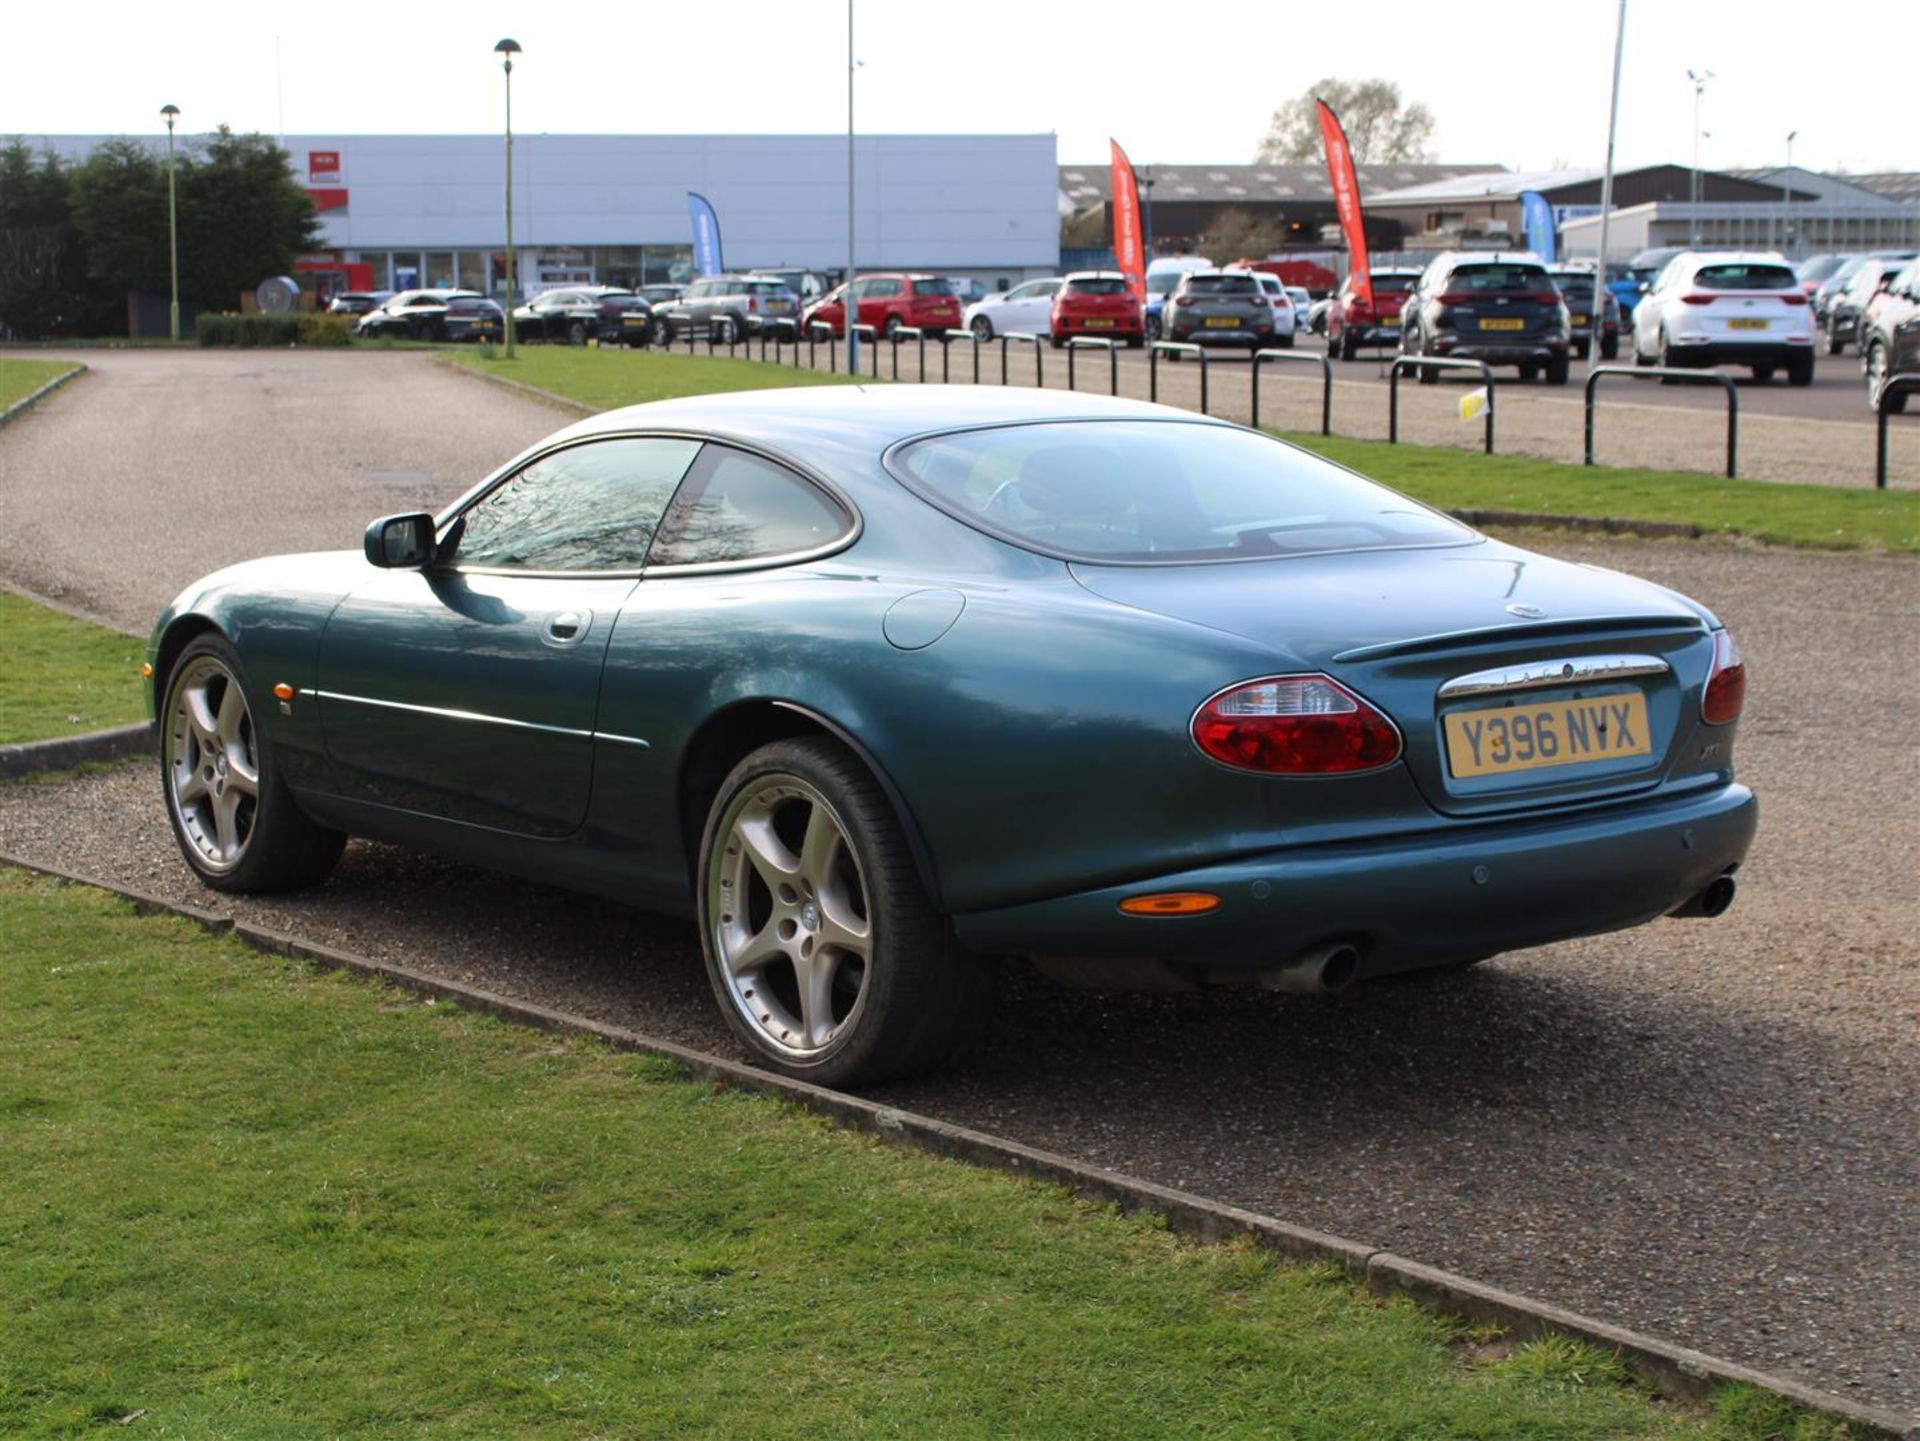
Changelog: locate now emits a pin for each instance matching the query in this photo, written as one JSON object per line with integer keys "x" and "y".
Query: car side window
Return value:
{"x": 880, "y": 288}
{"x": 593, "y": 506}
{"x": 735, "y": 506}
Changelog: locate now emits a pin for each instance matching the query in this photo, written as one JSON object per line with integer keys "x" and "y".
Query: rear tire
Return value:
{"x": 1557, "y": 370}
{"x": 826, "y": 957}
{"x": 1835, "y": 345}
{"x": 1763, "y": 373}
{"x": 1800, "y": 370}
{"x": 1346, "y": 346}
{"x": 1610, "y": 348}
{"x": 577, "y": 333}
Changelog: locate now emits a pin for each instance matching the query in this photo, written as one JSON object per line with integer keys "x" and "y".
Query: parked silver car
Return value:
{"x": 729, "y": 308}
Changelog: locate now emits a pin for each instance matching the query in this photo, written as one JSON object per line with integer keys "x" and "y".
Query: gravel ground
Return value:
{"x": 1704, "y": 1130}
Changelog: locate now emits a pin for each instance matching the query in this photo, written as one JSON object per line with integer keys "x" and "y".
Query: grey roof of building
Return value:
{"x": 1901, "y": 185}
{"x": 1086, "y": 186}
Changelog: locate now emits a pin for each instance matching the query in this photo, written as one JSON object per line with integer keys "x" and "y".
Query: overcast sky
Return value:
{"x": 1521, "y": 84}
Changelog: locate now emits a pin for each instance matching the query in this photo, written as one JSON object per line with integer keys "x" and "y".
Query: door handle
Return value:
{"x": 567, "y": 627}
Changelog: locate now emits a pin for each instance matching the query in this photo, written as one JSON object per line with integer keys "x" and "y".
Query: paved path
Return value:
{"x": 162, "y": 465}
{"x": 1704, "y": 1130}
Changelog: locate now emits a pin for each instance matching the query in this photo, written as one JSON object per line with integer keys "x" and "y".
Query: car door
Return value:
{"x": 1035, "y": 313}
{"x": 468, "y": 689}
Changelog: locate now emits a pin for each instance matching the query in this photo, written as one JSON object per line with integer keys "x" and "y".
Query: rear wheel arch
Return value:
{"x": 724, "y": 740}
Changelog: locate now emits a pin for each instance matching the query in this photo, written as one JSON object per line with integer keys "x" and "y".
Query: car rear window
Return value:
{"x": 767, "y": 287}
{"x": 1100, "y": 286}
{"x": 932, "y": 287}
{"x": 1392, "y": 284}
{"x": 1497, "y": 277}
{"x": 1742, "y": 276}
{"x": 1222, "y": 285}
{"x": 467, "y": 307}
{"x": 1160, "y": 492}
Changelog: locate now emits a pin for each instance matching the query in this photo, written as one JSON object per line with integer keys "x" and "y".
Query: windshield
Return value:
{"x": 1745, "y": 277}
{"x": 1222, "y": 285}
{"x": 1496, "y": 277}
{"x": 1161, "y": 492}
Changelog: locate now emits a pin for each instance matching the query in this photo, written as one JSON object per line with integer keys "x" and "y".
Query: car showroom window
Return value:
{"x": 735, "y": 506}
{"x": 588, "y": 507}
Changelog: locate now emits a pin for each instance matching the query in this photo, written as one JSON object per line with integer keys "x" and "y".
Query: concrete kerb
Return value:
{"x": 27, "y": 402}
{"x": 1669, "y": 1369}
{"x": 27, "y": 758}
{"x": 531, "y": 392}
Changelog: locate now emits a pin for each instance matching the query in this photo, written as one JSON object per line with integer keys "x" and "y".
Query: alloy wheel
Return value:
{"x": 212, "y": 764}
{"x": 791, "y": 920}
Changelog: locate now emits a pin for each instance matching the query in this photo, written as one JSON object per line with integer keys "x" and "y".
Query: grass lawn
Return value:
{"x": 1803, "y": 515}
{"x": 20, "y": 378}
{"x": 246, "y": 1198}
{"x": 1806, "y": 515}
{"x": 606, "y": 378}
{"x": 60, "y": 676}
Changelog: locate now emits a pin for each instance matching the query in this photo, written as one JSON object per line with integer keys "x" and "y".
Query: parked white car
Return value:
{"x": 1024, "y": 310}
{"x": 1302, "y": 303}
{"x": 1285, "y": 321}
{"x": 1727, "y": 308}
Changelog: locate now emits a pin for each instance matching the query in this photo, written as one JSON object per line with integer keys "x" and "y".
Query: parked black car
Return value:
{"x": 729, "y": 307}
{"x": 472, "y": 317}
{"x": 1890, "y": 335}
{"x": 1576, "y": 289}
{"x": 1869, "y": 278}
{"x": 413, "y": 315}
{"x": 1499, "y": 308}
{"x": 611, "y": 314}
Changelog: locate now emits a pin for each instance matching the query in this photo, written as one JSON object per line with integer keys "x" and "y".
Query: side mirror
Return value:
{"x": 400, "y": 542}
{"x": 1644, "y": 287}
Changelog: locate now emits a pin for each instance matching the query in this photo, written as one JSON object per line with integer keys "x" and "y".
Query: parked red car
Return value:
{"x": 1352, "y": 323}
{"x": 889, "y": 302}
{"x": 1098, "y": 303}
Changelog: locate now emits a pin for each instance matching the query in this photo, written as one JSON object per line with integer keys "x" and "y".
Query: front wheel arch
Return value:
{"x": 181, "y": 633}
{"x": 730, "y": 736}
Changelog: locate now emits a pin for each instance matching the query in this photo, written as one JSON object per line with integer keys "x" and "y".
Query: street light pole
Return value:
{"x": 506, "y": 50}
{"x": 849, "y": 302}
{"x": 1147, "y": 185}
{"x": 172, "y": 113}
{"x": 1786, "y": 199}
{"x": 1606, "y": 202}
{"x": 1699, "y": 79}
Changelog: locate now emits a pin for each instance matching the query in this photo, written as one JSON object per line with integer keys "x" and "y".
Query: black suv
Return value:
{"x": 1495, "y": 307}
{"x": 579, "y": 313}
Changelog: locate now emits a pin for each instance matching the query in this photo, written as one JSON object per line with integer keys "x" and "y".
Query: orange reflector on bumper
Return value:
{"x": 1171, "y": 903}
{"x": 146, "y": 671}
{"x": 283, "y": 691}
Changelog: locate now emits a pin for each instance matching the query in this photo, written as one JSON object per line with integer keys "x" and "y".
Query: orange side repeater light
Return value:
{"x": 146, "y": 670}
{"x": 1171, "y": 903}
{"x": 283, "y": 691}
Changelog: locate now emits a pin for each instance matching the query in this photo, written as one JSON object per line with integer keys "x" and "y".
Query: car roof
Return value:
{"x": 844, "y": 428}
{"x": 1091, "y": 275}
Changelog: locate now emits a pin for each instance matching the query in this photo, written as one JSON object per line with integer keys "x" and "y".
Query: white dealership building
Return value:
{"x": 404, "y": 210}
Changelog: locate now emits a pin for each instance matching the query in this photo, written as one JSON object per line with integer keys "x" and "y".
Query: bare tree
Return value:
{"x": 1241, "y": 235}
{"x": 1381, "y": 129}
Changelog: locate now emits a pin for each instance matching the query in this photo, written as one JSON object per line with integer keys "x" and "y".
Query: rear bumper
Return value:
{"x": 1518, "y": 351}
{"x": 1775, "y": 352}
{"x": 1405, "y": 904}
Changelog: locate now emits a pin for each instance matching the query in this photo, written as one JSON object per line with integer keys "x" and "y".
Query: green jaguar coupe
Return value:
{"x": 878, "y": 682}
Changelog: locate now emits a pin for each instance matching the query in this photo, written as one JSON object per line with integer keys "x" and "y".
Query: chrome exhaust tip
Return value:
{"x": 1317, "y": 971}
{"x": 1712, "y": 900}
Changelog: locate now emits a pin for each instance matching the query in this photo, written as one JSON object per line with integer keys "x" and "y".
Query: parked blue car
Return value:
{"x": 877, "y": 681}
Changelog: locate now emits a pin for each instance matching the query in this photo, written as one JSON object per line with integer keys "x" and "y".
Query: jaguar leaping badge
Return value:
{"x": 1526, "y": 612}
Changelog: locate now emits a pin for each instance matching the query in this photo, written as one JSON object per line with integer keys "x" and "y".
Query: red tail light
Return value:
{"x": 1295, "y": 725}
{"x": 1793, "y": 297}
{"x": 1726, "y": 682}
{"x": 1698, "y": 299}
{"x": 752, "y": 303}
{"x": 1454, "y": 297}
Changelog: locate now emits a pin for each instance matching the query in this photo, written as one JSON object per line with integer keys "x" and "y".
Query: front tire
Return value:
{"x": 237, "y": 825}
{"x": 577, "y": 333}
{"x": 825, "y": 955}
{"x": 982, "y": 329}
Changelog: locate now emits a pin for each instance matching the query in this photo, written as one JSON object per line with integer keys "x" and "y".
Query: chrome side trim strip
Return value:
{"x": 1576, "y": 670}
{"x": 467, "y": 715}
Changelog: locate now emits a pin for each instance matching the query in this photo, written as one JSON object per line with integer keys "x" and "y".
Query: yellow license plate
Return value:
{"x": 1746, "y": 325}
{"x": 1222, "y": 322}
{"x": 1503, "y": 325}
{"x": 1552, "y": 733}
{"x": 1098, "y": 324}
{"x": 633, "y": 320}
{"x": 1580, "y": 320}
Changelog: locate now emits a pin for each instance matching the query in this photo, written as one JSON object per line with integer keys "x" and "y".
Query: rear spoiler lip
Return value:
{"x": 1586, "y": 625}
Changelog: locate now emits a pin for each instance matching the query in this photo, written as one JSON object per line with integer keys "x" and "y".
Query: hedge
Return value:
{"x": 259, "y": 329}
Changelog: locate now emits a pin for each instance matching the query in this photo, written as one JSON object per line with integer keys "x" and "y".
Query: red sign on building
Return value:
{"x": 323, "y": 167}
